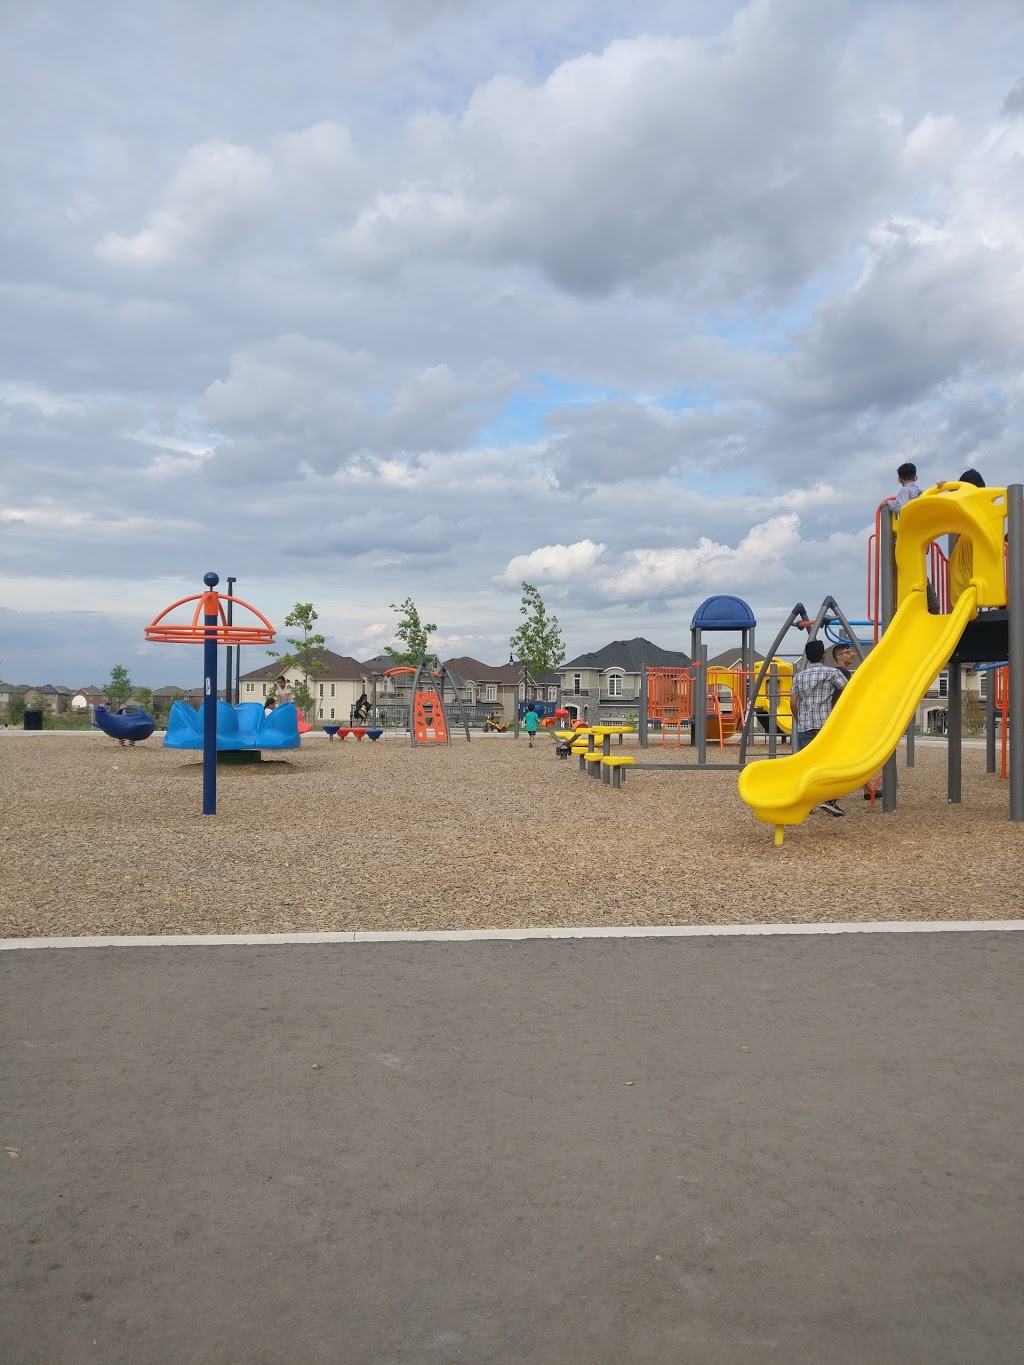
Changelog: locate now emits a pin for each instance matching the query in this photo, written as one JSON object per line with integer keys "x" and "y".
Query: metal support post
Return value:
{"x": 990, "y": 720}
{"x": 642, "y": 718}
{"x": 1015, "y": 614}
{"x": 887, "y": 563}
{"x": 910, "y": 741}
{"x": 700, "y": 706}
{"x": 229, "y": 692}
{"x": 210, "y": 619}
{"x": 954, "y": 733}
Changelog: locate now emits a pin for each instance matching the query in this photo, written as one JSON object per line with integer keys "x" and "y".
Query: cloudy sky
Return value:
{"x": 640, "y": 302}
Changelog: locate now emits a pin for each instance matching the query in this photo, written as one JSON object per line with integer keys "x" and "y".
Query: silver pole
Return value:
{"x": 910, "y": 740}
{"x": 887, "y": 560}
{"x": 990, "y": 720}
{"x": 1015, "y": 613}
{"x": 700, "y": 707}
{"x": 642, "y": 718}
{"x": 773, "y": 709}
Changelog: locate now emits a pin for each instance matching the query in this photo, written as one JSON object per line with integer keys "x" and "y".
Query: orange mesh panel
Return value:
{"x": 428, "y": 722}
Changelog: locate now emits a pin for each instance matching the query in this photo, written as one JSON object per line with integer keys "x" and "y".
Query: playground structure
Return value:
{"x": 239, "y": 728}
{"x": 128, "y": 726}
{"x": 872, "y": 713}
{"x": 215, "y": 628}
{"x": 906, "y": 648}
{"x": 428, "y": 723}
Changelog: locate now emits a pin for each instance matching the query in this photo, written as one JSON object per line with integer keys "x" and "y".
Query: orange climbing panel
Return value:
{"x": 428, "y": 720}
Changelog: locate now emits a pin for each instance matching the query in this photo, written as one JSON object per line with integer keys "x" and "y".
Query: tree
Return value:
{"x": 16, "y": 708}
{"x": 414, "y": 633}
{"x": 972, "y": 709}
{"x": 119, "y": 688}
{"x": 538, "y": 641}
{"x": 303, "y": 655}
{"x": 144, "y": 698}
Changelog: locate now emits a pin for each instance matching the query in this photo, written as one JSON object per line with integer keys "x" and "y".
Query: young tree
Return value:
{"x": 119, "y": 688}
{"x": 144, "y": 698}
{"x": 414, "y": 633}
{"x": 538, "y": 641}
{"x": 304, "y": 654}
{"x": 16, "y": 708}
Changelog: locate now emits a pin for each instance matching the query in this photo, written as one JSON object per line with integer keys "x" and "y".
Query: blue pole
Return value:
{"x": 210, "y": 704}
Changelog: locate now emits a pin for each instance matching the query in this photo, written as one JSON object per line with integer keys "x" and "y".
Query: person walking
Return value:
{"x": 813, "y": 695}
{"x": 530, "y": 721}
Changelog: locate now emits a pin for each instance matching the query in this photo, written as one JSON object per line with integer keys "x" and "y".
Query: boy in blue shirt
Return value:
{"x": 530, "y": 721}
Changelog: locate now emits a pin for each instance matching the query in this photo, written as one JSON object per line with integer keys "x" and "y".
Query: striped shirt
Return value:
{"x": 815, "y": 689}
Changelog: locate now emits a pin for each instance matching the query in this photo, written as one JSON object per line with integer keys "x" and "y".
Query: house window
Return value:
{"x": 264, "y": 689}
{"x": 492, "y": 691}
{"x": 250, "y": 687}
{"x": 615, "y": 684}
{"x": 332, "y": 713}
{"x": 983, "y": 685}
{"x": 469, "y": 695}
{"x": 552, "y": 694}
{"x": 577, "y": 683}
{"x": 944, "y": 683}
{"x": 522, "y": 691}
{"x": 332, "y": 693}
{"x": 320, "y": 713}
{"x": 321, "y": 693}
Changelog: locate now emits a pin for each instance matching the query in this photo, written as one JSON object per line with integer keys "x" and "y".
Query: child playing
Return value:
{"x": 909, "y": 488}
{"x": 530, "y": 721}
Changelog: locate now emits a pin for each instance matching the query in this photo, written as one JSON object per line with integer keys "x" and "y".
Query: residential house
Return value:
{"x": 8, "y": 691}
{"x": 88, "y": 698}
{"x": 498, "y": 687}
{"x": 603, "y": 687}
{"x": 335, "y": 689}
{"x": 164, "y": 696}
{"x": 54, "y": 699}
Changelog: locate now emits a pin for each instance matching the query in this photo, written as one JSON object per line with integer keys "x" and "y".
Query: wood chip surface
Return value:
{"x": 97, "y": 839}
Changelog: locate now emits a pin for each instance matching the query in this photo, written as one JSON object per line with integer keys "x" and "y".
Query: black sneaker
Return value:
{"x": 832, "y": 808}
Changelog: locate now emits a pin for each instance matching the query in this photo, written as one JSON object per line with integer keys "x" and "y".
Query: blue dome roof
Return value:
{"x": 723, "y": 613}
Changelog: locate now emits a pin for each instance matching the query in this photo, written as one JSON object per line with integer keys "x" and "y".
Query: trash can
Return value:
{"x": 33, "y": 720}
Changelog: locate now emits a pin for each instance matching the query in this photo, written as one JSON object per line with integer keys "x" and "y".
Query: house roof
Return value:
{"x": 378, "y": 664}
{"x": 630, "y": 655}
{"x": 340, "y": 667}
{"x": 91, "y": 690}
{"x": 472, "y": 670}
{"x": 729, "y": 658}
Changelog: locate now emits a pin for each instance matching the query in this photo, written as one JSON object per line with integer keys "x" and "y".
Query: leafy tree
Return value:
{"x": 144, "y": 698}
{"x": 538, "y": 641}
{"x": 16, "y": 708}
{"x": 304, "y": 654}
{"x": 119, "y": 688}
{"x": 414, "y": 633}
{"x": 972, "y": 709}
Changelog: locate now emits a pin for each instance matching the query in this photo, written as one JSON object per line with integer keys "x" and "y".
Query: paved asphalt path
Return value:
{"x": 682, "y": 1150}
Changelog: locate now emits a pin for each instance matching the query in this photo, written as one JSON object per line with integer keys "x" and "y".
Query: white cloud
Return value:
{"x": 706, "y": 567}
{"x": 553, "y": 563}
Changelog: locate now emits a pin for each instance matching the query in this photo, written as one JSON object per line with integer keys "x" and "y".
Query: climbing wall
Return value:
{"x": 428, "y": 721}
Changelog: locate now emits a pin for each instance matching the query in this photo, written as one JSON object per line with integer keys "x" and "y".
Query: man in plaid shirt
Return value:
{"x": 815, "y": 689}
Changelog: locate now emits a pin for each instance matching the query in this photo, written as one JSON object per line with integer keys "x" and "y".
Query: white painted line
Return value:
{"x": 931, "y": 926}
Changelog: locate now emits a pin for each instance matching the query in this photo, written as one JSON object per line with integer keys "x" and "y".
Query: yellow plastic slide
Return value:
{"x": 876, "y": 706}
